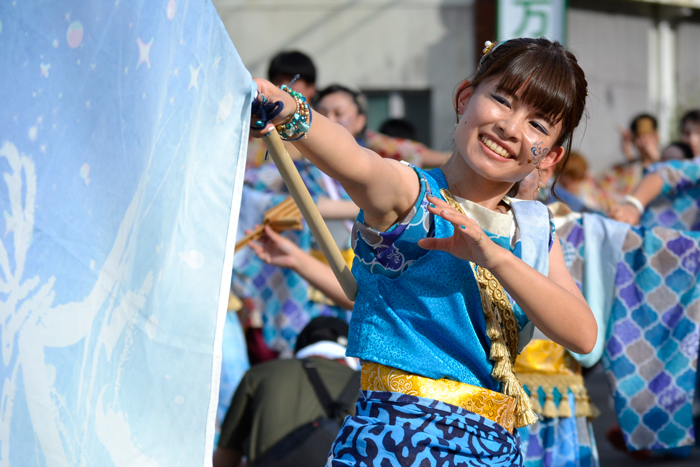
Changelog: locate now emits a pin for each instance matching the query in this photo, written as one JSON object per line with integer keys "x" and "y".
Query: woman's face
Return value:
{"x": 690, "y": 135}
{"x": 340, "y": 107}
{"x": 501, "y": 138}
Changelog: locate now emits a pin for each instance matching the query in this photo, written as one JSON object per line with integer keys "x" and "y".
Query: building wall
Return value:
{"x": 367, "y": 44}
{"x": 429, "y": 45}
{"x": 612, "y": 50}
{"x": 688, "y": 40}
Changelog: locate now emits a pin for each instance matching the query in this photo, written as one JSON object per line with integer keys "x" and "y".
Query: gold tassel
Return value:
{"x": 501, "y": 328}
{"x": 518, "y": 389}
{"x": 525, "y": 418}
{"x": 549, "y": 410}
{"x": 498, "y": 351}
{"x": 493, "y": 330}
{"x": 500, "y": 355}
{"x": 564, "y": 406}
{"x": 583, "y": 409}
{"x": 525, "y": 415}
{"x": 500, "y": 370}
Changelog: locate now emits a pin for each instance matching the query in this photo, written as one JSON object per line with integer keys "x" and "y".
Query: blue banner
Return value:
{"x": 123, "y": 130}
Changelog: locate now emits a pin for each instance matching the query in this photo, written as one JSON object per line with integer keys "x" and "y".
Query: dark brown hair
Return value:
{"x": 545, "y": 76}
{"x": 357, "y": 97}
{"x": 576, "y": 167}
{"x": 692, "y": 116}
{"x": 288, "y": 64}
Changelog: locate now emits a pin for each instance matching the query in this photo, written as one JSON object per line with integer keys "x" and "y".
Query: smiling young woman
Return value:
{"x": 451, "y": 271}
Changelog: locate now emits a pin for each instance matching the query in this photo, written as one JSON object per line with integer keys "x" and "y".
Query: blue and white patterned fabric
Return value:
{"x": 652, "y": 335}
{"x": 559, "y": 441}
{"x": 678, "y": 206}
{"x": 397, "y": 430}
{"x": 123, "y": 130}
{"x": 282, "y": 294}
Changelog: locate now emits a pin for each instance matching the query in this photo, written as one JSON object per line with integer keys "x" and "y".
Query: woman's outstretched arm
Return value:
{"x": 384, "y": 189}
{"x": 279, "y": 251}
{"x": 648, "y": 189}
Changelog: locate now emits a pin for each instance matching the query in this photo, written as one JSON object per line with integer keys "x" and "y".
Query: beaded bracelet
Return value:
{"x": 298, "y": 127}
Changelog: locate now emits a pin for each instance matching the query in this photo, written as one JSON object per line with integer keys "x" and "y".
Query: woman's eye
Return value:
{"x": 539, "y": 127}
{"x": 501, "y": 100}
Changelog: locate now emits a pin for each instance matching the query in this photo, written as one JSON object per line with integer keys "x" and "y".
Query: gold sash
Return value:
{"x": 547, "y": 365}
{"x": 489, "y": 404}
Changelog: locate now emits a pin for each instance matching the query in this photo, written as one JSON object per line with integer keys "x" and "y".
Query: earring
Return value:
{"x": 539, "y": 182}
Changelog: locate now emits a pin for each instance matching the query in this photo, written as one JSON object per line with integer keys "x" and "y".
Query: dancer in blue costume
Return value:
{"x": 668, "y": 195}
{"x": 444, "y": 302}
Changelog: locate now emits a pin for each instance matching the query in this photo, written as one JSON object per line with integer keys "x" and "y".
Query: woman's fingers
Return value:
{"x": 263, "y": 131}
{"x": 272, "y": 234}
{"x": 437, "y": 202}
{"x": 432, "y": 243}
{"x": 475, "y": 234}
{"x": 469, "y": 229}
{"x": 438, "y": 207}
{"x": 624, "y": 213}
{"x": 464, "y": 224}
{"x": 259, "y": 251}
{"x": 465, "y": 227}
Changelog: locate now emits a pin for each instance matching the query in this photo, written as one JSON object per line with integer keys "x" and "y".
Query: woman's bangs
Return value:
{"x": 547, "y": 89}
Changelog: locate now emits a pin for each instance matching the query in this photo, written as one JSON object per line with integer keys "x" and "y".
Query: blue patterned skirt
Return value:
{"x": 397, "y": 430}
{"x": 566, "y": 442}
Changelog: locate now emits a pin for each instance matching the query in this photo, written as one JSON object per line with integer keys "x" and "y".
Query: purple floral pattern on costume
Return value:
{"x": 391, "y": 252}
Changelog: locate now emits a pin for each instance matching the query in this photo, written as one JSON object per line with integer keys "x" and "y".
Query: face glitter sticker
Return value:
{"x": 538, "y": 152}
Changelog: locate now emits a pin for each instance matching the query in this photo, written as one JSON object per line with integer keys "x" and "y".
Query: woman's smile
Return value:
{"x": 498, "y": 150}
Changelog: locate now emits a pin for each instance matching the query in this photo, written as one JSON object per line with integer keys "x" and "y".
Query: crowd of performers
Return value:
{"x": 461, "y": 269}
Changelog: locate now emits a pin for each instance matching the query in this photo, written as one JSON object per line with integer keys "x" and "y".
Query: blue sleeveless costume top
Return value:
{"x": 419, "y": 310}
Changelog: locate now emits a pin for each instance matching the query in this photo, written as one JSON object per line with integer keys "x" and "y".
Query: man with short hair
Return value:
{"x": 286, "y": 65}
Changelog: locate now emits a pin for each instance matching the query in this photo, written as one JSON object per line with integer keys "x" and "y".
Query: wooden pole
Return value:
{"x": 309, "y": 210}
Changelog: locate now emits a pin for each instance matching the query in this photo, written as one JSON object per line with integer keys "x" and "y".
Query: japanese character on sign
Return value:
{"x": 531, "y": 18}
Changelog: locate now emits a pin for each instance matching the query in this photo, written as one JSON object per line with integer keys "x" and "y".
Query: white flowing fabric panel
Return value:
{"x": 123, "y": 129}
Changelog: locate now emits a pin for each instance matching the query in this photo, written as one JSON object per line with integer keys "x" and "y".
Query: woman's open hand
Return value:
{"x": 469, "y": 242}
{"x": 276, "y": 250}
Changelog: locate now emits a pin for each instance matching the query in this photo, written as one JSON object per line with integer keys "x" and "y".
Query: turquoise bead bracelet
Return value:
{"x": 300, "y": 123}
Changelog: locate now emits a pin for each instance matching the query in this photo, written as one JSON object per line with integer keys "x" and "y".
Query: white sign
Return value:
{"x": 679, "y": 3}
{"x": 532, "y": 18}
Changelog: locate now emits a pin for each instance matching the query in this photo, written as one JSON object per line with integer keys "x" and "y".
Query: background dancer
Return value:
{"x": 423, "y": 310}
{"x": 670, "y": 189}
